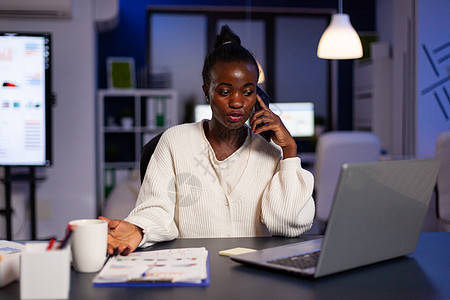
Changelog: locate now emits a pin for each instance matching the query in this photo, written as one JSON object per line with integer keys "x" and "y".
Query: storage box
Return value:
{"x": 44, "y": 274}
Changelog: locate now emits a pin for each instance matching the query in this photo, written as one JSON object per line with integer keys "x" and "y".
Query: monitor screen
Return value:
{"x": 25, "y": 99}
{"x": 202, "y": 111}
{"x": 298, "y": 117}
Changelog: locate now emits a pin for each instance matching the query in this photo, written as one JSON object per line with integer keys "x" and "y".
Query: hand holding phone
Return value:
{"x": 278, "y": 134}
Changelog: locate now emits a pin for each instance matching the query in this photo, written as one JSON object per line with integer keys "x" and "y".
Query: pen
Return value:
{"x": 50, "y": 244}
{"x": 108, "y": 256}
{"x": 148, "y": 270}
{"x": 69, "y": 230}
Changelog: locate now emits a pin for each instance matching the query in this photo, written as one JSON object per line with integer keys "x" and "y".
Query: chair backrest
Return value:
{"x": 147, "y": 152}
{"x": 122, "y": 198}
{"x": 333, "y": 150}
{"x": 443, "y": 181}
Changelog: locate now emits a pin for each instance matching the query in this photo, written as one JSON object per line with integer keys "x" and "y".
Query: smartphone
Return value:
{"x": 265, "y": 98}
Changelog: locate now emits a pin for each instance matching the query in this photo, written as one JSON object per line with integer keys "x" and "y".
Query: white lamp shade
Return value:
{"x": 340, "y": 40}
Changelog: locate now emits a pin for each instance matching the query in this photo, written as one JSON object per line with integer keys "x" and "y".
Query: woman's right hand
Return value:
{"x": 123, "y": 237}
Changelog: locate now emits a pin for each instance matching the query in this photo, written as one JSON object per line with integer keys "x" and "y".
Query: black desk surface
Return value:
{"x": 425, "y": 274}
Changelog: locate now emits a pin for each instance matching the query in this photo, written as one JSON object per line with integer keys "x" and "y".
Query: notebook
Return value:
{"x": 377, "y": 214}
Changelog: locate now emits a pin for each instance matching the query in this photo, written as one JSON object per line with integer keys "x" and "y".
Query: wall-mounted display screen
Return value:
{"x": 25, "y": 99}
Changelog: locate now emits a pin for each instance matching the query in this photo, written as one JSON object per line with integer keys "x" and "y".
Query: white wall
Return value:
{"x": 69, "y": 190}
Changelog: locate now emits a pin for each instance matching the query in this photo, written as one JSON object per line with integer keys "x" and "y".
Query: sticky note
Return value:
{"x": 236, "y": 251}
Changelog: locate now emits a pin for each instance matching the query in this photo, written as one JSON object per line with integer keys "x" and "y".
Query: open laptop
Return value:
{"x": 377, "y": 214}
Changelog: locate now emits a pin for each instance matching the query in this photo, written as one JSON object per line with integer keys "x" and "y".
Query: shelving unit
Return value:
{"x": 372, "y": 95}
{"x": 126, "y": 120}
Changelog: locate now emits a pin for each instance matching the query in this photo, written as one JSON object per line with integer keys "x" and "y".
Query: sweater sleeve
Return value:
{"x": 154, "y": 211}
{"x": 287, "y": 205}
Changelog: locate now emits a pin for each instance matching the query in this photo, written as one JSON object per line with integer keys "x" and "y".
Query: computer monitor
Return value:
{"x": 298, "y": 117}
{"x": 25, "y": 99}
{"x": 202, "y": 111}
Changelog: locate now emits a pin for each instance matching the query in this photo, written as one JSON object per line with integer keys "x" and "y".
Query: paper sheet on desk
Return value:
{"x": 186, "y": 265}
{"x": 7, "y": 248}
{"x": 9, "y": 261}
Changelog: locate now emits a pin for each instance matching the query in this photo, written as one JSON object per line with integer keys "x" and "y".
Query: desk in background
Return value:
{"x": 424, "y": 274}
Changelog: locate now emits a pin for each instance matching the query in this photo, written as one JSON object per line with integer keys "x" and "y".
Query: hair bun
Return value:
{"x": 227, "y": 48}
{"x": 226, "y": 36}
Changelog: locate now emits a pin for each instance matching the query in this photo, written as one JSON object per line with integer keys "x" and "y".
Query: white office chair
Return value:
{"x": 443, "y": 181}
{"x": 122, "y": 198}
{"x": 333, "y": 150}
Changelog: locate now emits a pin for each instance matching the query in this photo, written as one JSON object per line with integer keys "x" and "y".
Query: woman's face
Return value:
{"x": 231, "y": 93}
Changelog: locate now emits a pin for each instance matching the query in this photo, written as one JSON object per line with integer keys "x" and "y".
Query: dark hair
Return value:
{"x": 227, "y": 48}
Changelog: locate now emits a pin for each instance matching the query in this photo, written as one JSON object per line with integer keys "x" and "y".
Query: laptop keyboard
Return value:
{"x": 302, "y": 261}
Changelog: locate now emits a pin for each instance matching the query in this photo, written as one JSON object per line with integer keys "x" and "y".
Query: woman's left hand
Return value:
{"x": 280, "y": 135}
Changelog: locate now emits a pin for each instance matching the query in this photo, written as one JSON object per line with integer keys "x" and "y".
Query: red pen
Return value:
{"x": 50, "y": 244}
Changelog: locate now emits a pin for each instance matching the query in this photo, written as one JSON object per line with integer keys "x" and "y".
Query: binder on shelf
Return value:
{"x": 157, "y": 112}
{"x": 110, "y": 180}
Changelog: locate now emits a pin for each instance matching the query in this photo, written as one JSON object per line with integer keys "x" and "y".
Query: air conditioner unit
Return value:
{"x": 35, "y": 8}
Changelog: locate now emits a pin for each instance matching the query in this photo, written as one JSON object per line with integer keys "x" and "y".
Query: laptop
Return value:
{"x": 377, "y": 214}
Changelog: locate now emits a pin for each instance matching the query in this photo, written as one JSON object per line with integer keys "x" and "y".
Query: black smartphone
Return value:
{"x": 265, "y": 98}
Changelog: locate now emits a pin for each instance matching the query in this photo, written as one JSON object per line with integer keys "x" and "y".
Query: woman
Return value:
{"x": 219, "y": 177}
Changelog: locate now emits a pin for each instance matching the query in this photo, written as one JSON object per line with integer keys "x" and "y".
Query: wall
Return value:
{"x": 433, "y": 72}
{"x": 169, "y": 34}
{"x": 417, "y": 117}
{"x": 69, "y": 189}
{"x": 395, "y": 25}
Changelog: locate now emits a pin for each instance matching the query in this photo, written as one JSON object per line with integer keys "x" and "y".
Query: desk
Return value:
{"x": 422, "y": 275}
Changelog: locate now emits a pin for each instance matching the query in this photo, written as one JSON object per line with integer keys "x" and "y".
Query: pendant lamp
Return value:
{"x": 261, "y": 77}
{"x": 340, "y": 40}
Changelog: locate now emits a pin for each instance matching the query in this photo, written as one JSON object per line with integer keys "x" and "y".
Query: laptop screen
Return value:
{"x": 298, "y": 117}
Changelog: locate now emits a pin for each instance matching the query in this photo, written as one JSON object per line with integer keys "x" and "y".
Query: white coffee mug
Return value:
{"x": 88, "y": 244}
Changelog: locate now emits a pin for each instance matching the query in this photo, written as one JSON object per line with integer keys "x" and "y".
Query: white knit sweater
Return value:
{"x": 185, "y": 193}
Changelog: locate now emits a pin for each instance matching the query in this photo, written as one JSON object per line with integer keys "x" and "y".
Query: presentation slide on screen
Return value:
{"x": 22, "y": 100}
